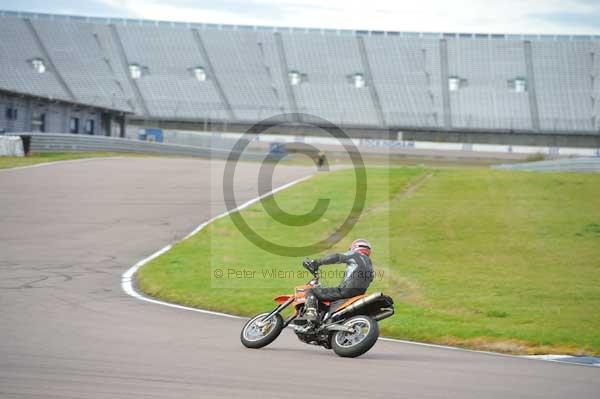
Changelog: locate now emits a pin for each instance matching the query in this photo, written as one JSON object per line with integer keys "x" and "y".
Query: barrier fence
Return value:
{"x": 557, "y": 165}
{"x": 218, "y": 145}
{"x": 59, "y": 142}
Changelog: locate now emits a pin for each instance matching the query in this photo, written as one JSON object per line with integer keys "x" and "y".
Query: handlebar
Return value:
{"x": 315, "y": 273}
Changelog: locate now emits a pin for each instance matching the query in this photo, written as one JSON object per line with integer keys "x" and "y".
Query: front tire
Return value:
{"x": 354, "y": 344}
{"x": 255, "y": 336}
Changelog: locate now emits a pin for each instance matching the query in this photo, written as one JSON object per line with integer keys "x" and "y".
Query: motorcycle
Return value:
{"x": 348, "y": 326}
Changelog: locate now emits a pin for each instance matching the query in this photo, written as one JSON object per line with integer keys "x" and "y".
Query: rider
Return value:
{"x": 357, "y": 277}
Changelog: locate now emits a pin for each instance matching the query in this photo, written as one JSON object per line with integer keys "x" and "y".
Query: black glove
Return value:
{"x": 310, "y": 265}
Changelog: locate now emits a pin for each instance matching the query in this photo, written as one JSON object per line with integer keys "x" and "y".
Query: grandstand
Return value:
{"x": 443, "y": 86}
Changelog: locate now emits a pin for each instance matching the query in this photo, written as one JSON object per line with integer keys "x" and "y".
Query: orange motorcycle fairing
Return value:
{"x": 298, "y": 296}
{"x": 282, "y": 299}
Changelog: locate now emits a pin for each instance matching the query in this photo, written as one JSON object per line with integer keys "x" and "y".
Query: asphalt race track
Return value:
{"x": 67, "y": 330}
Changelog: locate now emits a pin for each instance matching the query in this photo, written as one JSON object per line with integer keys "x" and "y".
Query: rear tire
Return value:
{"x": 355, "y": 344}
{"x": 254, "y": 337}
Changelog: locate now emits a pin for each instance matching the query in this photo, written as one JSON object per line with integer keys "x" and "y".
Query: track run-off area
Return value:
{"x": 68, "y": 231}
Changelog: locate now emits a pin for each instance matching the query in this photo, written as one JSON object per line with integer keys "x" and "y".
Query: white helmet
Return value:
{"x": 361, "y": 246}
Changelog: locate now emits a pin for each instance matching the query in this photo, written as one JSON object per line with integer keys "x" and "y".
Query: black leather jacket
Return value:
{"x": 359, "y": 269}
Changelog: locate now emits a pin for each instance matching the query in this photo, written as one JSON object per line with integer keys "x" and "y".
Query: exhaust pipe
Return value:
{"x": 360, "y": 303}
{"x": 384, "y": 315}
{"x": 338, "y": 327}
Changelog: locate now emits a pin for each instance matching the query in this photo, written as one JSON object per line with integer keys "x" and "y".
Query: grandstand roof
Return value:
{"x": 266, "y": 28}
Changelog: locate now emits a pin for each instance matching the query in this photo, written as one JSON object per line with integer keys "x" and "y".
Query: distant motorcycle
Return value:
{"x": 348, "y": 326}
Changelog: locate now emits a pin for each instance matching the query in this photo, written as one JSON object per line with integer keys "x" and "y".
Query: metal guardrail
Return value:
{"x": 557, "y": 165}
{"x": 59, "y": 142}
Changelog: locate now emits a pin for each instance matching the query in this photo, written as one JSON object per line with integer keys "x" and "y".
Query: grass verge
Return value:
{"x": 479, "y": 258}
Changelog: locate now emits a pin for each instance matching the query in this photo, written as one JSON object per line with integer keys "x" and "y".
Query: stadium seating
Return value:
{"x": 197, "y": 72}
{"x": 328, "y": 63}
{"x": 17, "y": 48}
{"x": 563, "y": 75}
{"x": 169, "y": 88}
{"x": 247, "y": 68}
{"x": 77, "y": 51}
{"x": 406, "y": 73}
{"x": 487, "y": 100}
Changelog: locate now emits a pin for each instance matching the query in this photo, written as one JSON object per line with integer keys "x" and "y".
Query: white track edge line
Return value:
{"x": 127, "y": 284}
{"x": 51, "y": 163}
{"x": 127, "y": 280}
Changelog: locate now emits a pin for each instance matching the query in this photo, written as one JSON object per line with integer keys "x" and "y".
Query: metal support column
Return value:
{"x": 533, "y": 103}
{"x": 370, "y": 82}
{"x": 125, "y": 63}
{"x": 213, "y": 76}
{"x": 286, "y": 81}
{"x": 447, "y": 108}
{"x": 49, "y": 61}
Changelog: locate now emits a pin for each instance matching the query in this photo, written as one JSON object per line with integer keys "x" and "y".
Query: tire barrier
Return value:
{"x": 11, "y": 146}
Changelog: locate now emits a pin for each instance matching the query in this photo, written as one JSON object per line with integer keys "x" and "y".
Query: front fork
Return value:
{"x": 278, "y": 310}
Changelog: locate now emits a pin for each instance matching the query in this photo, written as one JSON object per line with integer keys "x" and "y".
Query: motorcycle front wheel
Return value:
{"x": 256, "y": 334}
{"x": 365, "y": 332}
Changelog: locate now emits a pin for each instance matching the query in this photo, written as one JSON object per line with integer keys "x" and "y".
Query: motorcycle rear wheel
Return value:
{"x": 356, "y": 343}
{"x": 254, "y": 336}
